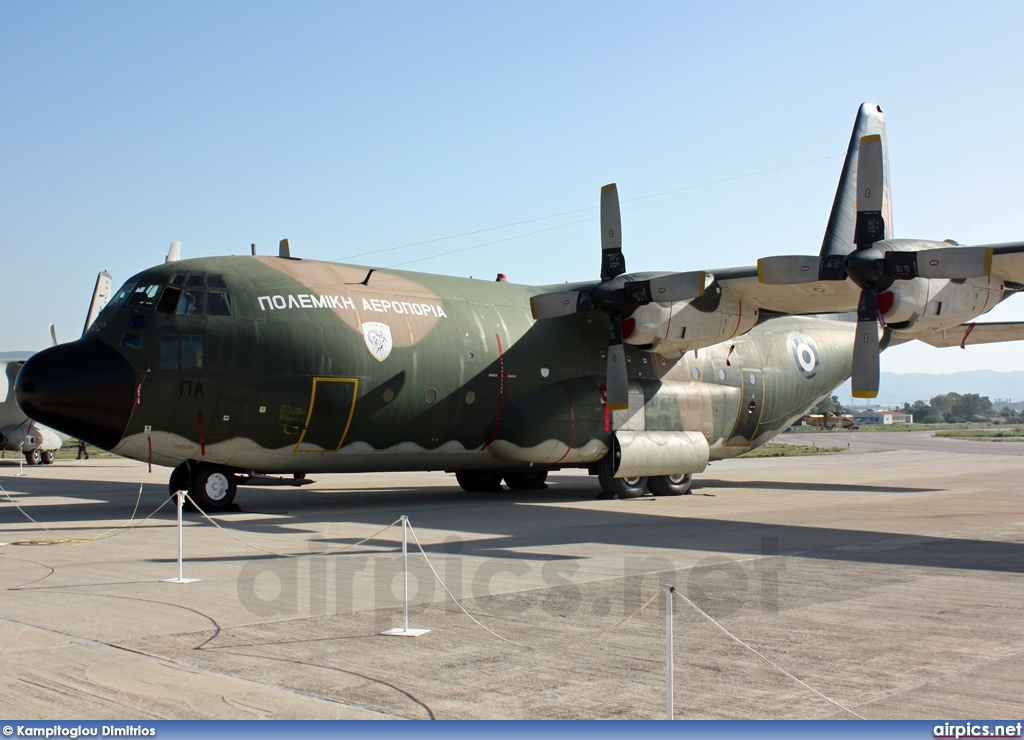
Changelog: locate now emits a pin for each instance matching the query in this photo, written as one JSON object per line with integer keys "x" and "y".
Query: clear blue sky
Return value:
{"x": 356, "y": 127}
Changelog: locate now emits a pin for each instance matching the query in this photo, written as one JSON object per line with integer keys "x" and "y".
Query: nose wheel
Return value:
{"x": 211, "y": 487}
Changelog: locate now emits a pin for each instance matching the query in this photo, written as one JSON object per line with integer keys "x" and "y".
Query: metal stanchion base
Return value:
{"x": 181, "y": 580}
{"x": 399, "y": 632}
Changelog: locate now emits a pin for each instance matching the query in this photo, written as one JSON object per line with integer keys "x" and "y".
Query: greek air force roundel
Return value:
{"x": 378, "y": 339}
{"x": 806, "y": 356}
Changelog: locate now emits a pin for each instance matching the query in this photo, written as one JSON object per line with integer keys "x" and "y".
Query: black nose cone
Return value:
{"x": 84, "y": 388}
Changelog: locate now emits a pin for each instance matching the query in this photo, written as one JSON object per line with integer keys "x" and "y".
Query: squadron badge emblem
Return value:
{"x": 378, "y": 339}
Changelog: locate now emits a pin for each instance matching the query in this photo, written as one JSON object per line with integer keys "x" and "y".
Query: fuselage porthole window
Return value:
{"x": 132, "y": 340}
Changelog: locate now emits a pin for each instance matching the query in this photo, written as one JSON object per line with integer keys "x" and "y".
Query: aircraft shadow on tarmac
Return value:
{"x": 519, "y": 526}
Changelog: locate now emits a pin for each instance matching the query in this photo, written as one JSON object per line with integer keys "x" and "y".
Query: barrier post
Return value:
{"x": 404, "y": 630}
{"x": 180, "y": 495}
{"x": 21, "y": 460}
{"x": 669, "y": 689}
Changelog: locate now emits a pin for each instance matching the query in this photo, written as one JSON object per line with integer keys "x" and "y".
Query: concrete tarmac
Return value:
{"x": 886, "y": 581}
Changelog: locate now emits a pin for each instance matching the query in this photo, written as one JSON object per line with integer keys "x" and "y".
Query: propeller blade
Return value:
{"x": 788, "y": 269}
{"x": 951, "y": 263}
{"x": 681, "y": 286}
{"x": 613, "y": 263}
{"x": 617, "y": 380}
{"x": 870, "y": 226}
{"x": 562, "y": 303}
{"x": 865, "y": 348}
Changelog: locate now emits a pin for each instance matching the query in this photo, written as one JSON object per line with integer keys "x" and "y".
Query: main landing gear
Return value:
{"x": 659, "y": 485}
{"x": 211, "y": 487}
{"x": 484, "y": 481}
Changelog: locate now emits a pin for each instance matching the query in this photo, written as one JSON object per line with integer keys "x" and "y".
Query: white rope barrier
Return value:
{"x": 767, "y": 660}
{"x": 513, "y": 642}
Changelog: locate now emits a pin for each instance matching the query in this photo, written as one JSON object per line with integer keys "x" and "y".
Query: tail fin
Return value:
{"x": 839, "y": 235}
{"x": 100, "y": 296}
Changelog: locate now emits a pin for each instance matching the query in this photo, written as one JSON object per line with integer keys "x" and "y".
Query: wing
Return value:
{"x": 819, "y": 296}
{"x": 1008, "y": 262}
{"x": 960, "y": 336}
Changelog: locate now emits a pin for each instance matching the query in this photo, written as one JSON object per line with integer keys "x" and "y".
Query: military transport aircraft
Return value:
{"x": 18, "y": 433}
{"x": 231, "y": 369}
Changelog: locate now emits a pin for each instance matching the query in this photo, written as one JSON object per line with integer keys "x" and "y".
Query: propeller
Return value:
{"x": 871, "y": 268}
{"x": 617, "y": 295}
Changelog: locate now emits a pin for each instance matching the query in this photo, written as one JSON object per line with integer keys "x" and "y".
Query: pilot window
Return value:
{"x": 122, "y": 294}
{"x": 144, "y": 295}
{"x": 192, "y": 299}
{"x": 218, "y": 303}
{"x": 169, "y": 300}
{"x": 192, "y": 302}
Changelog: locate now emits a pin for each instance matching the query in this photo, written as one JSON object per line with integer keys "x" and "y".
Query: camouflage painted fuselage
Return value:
{"x": 294, "y": 366}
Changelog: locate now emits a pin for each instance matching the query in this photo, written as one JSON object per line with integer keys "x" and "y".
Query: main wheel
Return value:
{"x": 479, "y": 481}
{"x": 530, "y": 480}
{"x": 213, "y": 487}
{"x": 670, "y": 485}
{"x": 618, "y": 487}
{"x": 33, "y": 458}
{"x": 47, "y": 457}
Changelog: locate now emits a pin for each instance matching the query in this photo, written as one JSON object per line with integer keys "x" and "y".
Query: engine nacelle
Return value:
{"x": 28, "y": 437}
{"x": 674, "y": 328}
{"x": 905, "y": 301}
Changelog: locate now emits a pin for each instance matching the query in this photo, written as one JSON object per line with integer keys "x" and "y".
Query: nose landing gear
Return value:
{"x": 211, "y": 487}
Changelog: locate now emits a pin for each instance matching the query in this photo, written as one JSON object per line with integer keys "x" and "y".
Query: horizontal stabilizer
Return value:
{"x": 960, "y": 336}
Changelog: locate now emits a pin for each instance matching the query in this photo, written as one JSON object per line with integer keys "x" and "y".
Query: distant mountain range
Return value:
{"x": 897, "y": 388}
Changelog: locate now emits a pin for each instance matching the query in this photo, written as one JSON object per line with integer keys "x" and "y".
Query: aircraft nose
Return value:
{"x": 83, "y": 388}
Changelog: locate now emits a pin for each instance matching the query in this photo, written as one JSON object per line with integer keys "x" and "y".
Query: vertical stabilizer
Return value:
{"x": 842, "y": 222}
{"x": 100, "y": 296}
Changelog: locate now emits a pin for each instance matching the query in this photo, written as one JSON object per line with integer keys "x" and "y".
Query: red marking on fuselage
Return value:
{"x": 501, "y": 375}
{"x": 572, "y": 422}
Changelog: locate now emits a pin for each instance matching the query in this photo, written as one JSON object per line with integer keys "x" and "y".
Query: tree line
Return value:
{"x": 951, "y": 408}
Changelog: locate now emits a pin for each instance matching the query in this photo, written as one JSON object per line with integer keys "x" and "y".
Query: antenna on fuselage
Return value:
{"x": 283, "y": 250}
{"x": 254, "y": 249}
{"x": 174, "y": 253}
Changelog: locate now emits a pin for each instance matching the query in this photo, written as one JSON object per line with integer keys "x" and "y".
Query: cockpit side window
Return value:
{"x": 144, "y": 295}
{"x": 218, "y": 303}
{"x": 122, "y": 294}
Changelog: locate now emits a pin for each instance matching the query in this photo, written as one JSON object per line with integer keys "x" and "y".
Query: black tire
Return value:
{"x": 529, "y": 480}
{"x": 479, "y": 481}
{"x": 670, "y": 485}
{"x": 212, "y": 487}
{"x": 618, "y": 487}
{"x": 47, "y": 457}
{"x": 179, "y": 479}
{"x": 33, "y": 458}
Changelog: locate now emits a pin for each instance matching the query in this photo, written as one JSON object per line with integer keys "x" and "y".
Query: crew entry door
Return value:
{"x": 332, "y": 403}
{"x": 751, "y": 408}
